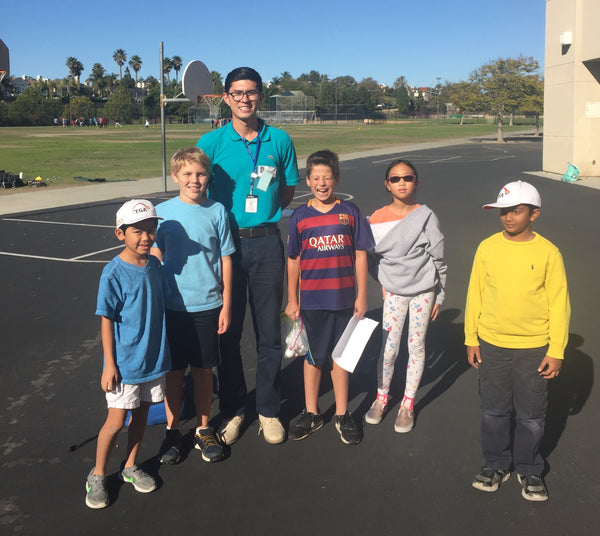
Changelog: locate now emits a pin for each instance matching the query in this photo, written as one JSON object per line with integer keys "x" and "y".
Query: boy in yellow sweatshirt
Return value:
{"x": 516, "y": 330}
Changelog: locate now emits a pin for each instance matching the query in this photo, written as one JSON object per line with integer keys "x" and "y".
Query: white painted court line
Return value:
{"x": 96, "y": 253}
{"x": 444, "y": 159}
{"x": 6, "y": 253}
{"x": 59, "y": 223}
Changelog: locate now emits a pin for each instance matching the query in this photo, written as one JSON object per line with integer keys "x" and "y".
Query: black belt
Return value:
{"x": 255, "y": 232}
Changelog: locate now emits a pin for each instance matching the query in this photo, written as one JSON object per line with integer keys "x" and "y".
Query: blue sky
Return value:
{"x": 381, "y": 39}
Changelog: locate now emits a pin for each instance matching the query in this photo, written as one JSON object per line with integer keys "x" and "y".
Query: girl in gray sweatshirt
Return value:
{"x": 408, "y": 261}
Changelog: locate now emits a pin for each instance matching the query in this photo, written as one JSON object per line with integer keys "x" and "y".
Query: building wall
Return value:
{"x": 572, "y": 87}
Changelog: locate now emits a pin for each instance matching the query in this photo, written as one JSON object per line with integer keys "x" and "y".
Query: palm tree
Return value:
{"x": 96, "y": 79}
{"x": 167, "y": 66}
{"x": 120, "y": 56}
{"x": 136, "y": 64}
{"x": 75, "y": 68}
{"x": 177, "y": 63}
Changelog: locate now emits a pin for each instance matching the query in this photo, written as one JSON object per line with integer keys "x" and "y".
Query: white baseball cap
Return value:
{"x": 516, "y": 193}
{"x": 134, "y": 211}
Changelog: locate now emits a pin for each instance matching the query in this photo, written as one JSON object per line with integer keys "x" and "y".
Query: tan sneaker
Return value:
{"x": 375, "y": 414}
{"x": 272, "y": 429}
{"x": 229, "y": 432}
{"x": 404, "y": 421}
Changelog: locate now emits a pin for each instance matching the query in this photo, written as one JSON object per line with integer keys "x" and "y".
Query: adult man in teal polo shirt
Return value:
{"x": 254, "y": 175}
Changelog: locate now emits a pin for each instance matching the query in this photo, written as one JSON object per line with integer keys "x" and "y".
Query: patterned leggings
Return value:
{"x": 395, "y": 309}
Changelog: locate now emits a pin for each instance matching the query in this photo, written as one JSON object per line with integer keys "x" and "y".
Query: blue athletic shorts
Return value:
{"x": 193, "y": 338}
{"x": 324, "y": 328}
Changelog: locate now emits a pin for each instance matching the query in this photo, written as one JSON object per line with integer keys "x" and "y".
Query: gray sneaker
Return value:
{"x": 404, "y": 421}
{"x": 375, "y": 414}
{"x": 489, "y": 479}
{"x": 96, "y": 490}
{"x": 534, "y": 488}
{"x": 229, "y": 432}
{"x": 139, "y": 479}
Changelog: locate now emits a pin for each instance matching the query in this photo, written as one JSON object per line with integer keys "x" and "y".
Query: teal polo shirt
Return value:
{"x": 232, "y": 166}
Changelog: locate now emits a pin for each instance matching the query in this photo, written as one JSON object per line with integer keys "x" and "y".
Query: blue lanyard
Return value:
{"x": 254, "y": 158}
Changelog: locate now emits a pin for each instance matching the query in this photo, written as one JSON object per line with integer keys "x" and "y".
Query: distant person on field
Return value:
{"x": 516, "y": 330}
{"x": 408, "y": 261}
{"x": 195, "y": 245}
{"x": 131, "y": 304}
{"x": 327, "y": 262}
{"x": 254, "y": 174}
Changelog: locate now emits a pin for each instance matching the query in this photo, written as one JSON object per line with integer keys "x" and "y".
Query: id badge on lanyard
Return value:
{"x": 251, "y": 199}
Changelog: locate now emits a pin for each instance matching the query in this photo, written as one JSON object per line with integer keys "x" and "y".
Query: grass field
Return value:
{"x": 134, "y": 152}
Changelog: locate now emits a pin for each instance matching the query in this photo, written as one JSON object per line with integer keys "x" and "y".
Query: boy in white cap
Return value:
{"x": 131, "y": 306}
{"x": 516, "y": 330}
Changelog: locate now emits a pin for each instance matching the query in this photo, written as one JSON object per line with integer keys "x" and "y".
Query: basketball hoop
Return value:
{"x": 214, "y": 104}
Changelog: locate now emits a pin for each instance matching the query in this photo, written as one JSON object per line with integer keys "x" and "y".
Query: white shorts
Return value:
{"x": 129, "y": 396}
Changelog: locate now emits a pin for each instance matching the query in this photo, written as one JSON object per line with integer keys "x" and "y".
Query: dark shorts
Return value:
{"x": 324, "y": 328}
{"x": 193, "y": 338}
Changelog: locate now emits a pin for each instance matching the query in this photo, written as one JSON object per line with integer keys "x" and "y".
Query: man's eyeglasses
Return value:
{"x": 405, "y": 178}
{"x": 237, "y": 95}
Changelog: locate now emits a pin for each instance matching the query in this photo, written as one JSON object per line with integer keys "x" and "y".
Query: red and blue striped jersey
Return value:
{"x": 326, "y": 244}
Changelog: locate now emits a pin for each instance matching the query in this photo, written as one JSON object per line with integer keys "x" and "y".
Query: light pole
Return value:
{"x": 437, "y": 92}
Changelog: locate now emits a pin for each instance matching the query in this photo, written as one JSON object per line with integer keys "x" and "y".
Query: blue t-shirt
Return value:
{"x": 327, "y": 244}
{"x": 132, "y": 296}
{"x": 232, "y": 159}
{"x": 193, "y": 238}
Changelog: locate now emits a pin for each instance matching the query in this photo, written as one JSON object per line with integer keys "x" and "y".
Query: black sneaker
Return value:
{"x": 490, "y": 479}
{"x": 534, "y": 488}
{"x": 170, "y": 450}
{"x": 305, "y": 425}
{"x": 206, "y": 442}
{"x": 350, "y": 433}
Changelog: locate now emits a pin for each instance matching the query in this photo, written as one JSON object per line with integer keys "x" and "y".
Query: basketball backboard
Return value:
{"x": 4, "y": 60}
{"x": 196, "y": 81}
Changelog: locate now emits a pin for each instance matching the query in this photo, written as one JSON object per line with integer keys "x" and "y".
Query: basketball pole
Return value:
{"x": 196, "y": 81}
{"x": 162, "y": 116}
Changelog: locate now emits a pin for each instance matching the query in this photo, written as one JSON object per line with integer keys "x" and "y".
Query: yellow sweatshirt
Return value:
{"x": 518, "y": 296}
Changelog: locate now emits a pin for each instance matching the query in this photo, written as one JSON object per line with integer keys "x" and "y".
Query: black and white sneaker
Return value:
{"x": 305, "y": 425}
{"x": 350, "y": 433}
{"x": 170, "y": 450}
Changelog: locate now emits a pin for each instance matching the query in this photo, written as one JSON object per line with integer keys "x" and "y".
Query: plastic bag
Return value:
{"x": 296, "y": 340}
{"x": 572, "y": 173}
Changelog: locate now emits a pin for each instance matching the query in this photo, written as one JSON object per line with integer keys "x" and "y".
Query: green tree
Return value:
{"x": 287, "y": 82}
{"x": 120, "y": 106}
{"x": 465, "y": 96}
{"x": 136, "y": 64}
{"x": 152, "y": 101}
{"x": 31, "y": 108}
{"x": 167, "y": 66}
{"x": 532, "y": 101}
{"x": 217, "y": 79}
{"x": 3, "y": 114}
{"x": 502, "y": 85}
{"x": 82, "y": 107}
{"x": 177, "y": 63}
{"x": 120, "y": 57}
{"x": 75, "y": 68}
{"x": 97, "y": 79}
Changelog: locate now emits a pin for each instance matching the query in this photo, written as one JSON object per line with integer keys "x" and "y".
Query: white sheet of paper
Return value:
{"x": 352, "y": 343}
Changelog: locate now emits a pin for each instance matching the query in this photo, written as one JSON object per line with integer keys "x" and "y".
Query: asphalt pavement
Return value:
{"x": 53, "y": 246}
